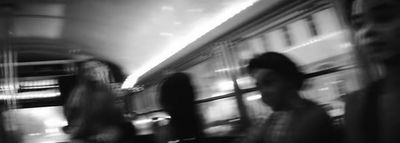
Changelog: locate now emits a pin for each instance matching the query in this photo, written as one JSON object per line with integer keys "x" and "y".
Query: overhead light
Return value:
{"x": 183, "y": 41}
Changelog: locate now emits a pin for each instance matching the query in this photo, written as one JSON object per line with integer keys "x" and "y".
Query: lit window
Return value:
{"x": 311, "y": 24}
{"x": 288, "y": 38}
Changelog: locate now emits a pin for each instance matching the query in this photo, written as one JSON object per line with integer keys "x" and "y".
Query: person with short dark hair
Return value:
{"x": 294, "y": 119}
{"x": 372, "y": 113}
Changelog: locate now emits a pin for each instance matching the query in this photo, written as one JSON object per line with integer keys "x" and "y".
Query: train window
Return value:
{"x": 311, "y": 25}
{"x": 146, "y": 100}
{"x": 36, "y": 16}
{"x": 266, "y": 42}
{"x": 277, "y": 40}
{"x": 40, "y": 124}
{"x": 245, "y": 82}
{"x": 287, "y": 37}
{"x": 219, "y": 115}
{"x": 257, "y": 45}
{"x": 31, "y": 27}
{"x": 300, "y": 32}
{"x": 242, "y": 54}
{"x": 137, "y": 103}
{"x": 210, "y": 78}
{"x": 256, "y": 108}
{"x": 326, "y": 21}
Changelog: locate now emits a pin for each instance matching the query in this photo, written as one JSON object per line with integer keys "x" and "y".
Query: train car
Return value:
{"x": 310, "y": 32}
{"x": 44, "y": 44}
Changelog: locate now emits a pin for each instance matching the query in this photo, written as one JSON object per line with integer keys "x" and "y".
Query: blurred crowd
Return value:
{"x": 95, "y": 116}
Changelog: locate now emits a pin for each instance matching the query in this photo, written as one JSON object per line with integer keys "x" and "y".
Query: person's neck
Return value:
{"x": 291, "y": 103}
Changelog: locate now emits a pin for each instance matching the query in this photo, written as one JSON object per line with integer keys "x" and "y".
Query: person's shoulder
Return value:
{"x": 316, "y": 115}
{"x": 354, "y": 97}
{"x": 357, "y": 98}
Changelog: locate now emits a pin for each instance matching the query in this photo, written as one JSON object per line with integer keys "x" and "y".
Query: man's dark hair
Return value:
{"x": 280, "y": 64}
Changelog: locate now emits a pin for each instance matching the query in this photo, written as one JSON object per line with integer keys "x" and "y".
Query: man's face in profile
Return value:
{"x": 273, "y": 87}
{"x": 377, "y": 27}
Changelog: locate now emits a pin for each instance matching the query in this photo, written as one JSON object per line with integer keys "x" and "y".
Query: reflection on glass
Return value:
{"x": 256, "y": 109}
{"x": 210, "y": 78}
{"x": 38, "y": 125}
{"x": 328, "y": 90}
{"x": 148, "y": 124}
{"x": 219, "y": 116}
{"x": 219, "y": 110}
{"x": 245, "y": 82}
{"x": 146, "y": 101}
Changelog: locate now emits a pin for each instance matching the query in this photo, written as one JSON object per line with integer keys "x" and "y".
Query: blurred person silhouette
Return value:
{"x": 3, "y": 133}
{"x": 294, "y": 119}
{"x": 177, "y": 98}
{"x": 91, "y": 112}
{"x": 372, "y": 113}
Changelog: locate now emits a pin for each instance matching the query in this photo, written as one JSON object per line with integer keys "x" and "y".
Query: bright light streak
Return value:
{"x": 225, "y": 85}
{"x": 130, "y": 81}
{"x": 346, "y": 45}
{"x": 34, "y": 134}
{"x": 222, "y": 70}
{"x": 142, "y": 121}
{"x": 30, "y": 95}
{"x": 244, "y": 81}
{"x": 55, "y": 123}
{"x": 336, "y": 112}
{"x": 323, "y": 89}
{"x": 52, "y": 130}
{"x": 316, "y": 40}
{"x": 180, "y": 43}
{"x": 40, "y": 87}
{"x": 253, "y": 97}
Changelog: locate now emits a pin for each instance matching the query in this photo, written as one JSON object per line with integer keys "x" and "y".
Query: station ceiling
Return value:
{"x": 136, "y": 34}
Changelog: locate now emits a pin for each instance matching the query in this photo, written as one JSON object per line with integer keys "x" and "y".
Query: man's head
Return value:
{"x": 376, "y": 25}
{"x": 277, "y": 78}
